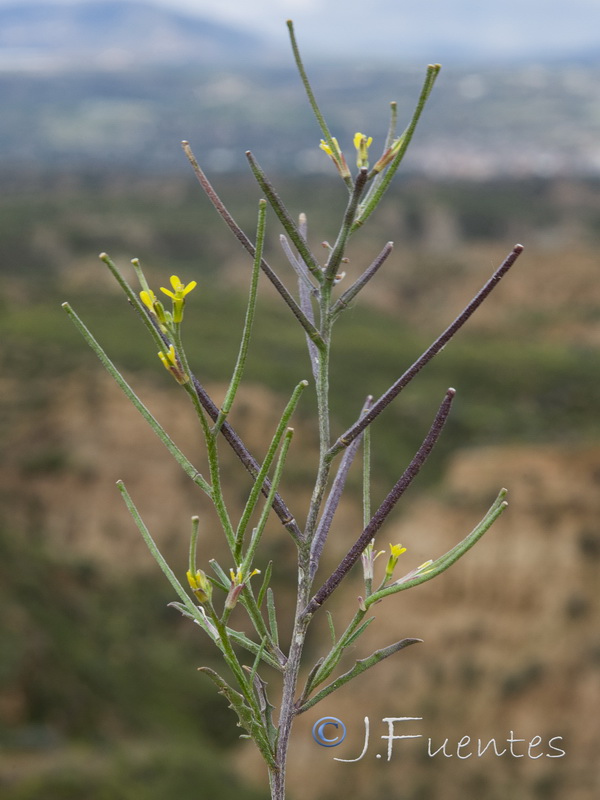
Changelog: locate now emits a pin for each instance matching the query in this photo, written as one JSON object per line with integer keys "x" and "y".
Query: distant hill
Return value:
{"x": 136, "y": 79}
{"x": 114, "y": 33}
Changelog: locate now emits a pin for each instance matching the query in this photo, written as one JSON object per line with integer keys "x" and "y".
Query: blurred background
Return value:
{"x": 99, "y": 693}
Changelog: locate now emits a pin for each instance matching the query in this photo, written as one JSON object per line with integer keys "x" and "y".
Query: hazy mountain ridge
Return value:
{"x": 464, "y": 31}
{"x": 119, "y": 84}
{"x": 115, "y": 34}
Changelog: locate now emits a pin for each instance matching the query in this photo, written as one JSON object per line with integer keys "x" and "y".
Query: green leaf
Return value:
{"x": 272, "y": 615}
{"x": 331, "y": 628}
{"x": 265, "y": 584}
{"x": 359, "y": 667}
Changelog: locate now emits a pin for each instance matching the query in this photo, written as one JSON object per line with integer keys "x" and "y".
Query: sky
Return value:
{"x": 505, "y": 28}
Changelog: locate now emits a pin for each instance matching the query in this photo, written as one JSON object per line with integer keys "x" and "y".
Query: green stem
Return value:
{"x": 250, "y": 310}
{"x": 261, "y": 477}
{"x": 374, "y": 198}
{"x": 334, "y": 655}
{"x": 258, "y": 531}
{"x": 310, "y": 94}
{"x": 239, "y": 234}
{"x": 194, "y": 544}
{"x": 211, "y": 443}
{"x": 179, "y": 457}
{"x": 189, "y": 606}
{"x": 134, "y": 298}
{"x": 249, "y": 602}
{"x": 359, "y": 667}
{"x": 337, "y": 253}
{"x": 444, "y": 562}
{"x": 233, "y": 663}
{"x": 389, "y": 141}
{"x": 322, "y": 391}
{"x": 284, "y": 217}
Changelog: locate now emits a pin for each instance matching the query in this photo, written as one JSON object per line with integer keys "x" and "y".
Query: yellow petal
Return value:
{"x": 148, "y": 299}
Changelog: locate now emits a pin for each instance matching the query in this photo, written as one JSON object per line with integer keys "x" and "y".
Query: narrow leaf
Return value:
{"x": 265, "y": 584}
{"x": 359, "y": 667}
{"x": 331, "y": 628}
{"x": 272, "y": 615}
{"x": 261, "y": 481}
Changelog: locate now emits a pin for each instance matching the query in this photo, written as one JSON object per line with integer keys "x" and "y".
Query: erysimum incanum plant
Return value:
{"x": 210, "y": 592}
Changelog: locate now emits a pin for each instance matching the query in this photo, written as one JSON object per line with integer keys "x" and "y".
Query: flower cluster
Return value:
{"x": 178, "y": 294}
{"x": 362, "y": 143}
{"x": 167, "y": 320}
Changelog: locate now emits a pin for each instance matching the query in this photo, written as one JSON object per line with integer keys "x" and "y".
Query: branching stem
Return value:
{"x": 439, "y": 344}
{"x": 385, "y": 508}
{"x": 316, "y": 310}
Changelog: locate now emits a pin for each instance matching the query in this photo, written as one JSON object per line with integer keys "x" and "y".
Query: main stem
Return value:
{"x": 322, "y": 389}
{"x": 290, "y": 680}
{"x": 302, "y": 620}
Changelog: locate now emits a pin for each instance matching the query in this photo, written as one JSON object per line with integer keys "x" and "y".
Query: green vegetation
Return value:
{"x": 92, "y": 680}
{"x": 84, "y": 672}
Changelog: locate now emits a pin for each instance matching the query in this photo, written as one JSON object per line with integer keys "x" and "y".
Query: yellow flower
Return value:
{"x": 396, "y": 551}
{"x": 148, "y": 299}
{"x": 200, "y": 585}
{"x": 179, "y": 290}
{"x": 237, "y": 577}
{"x": 178, "y": 295}
{"x": 336, "y": 156}
{"x": 153, "y": 304}
{"x": 171, "y": 362}
{"x": 362, "y": 144}
{"x": 334, "y": 152}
